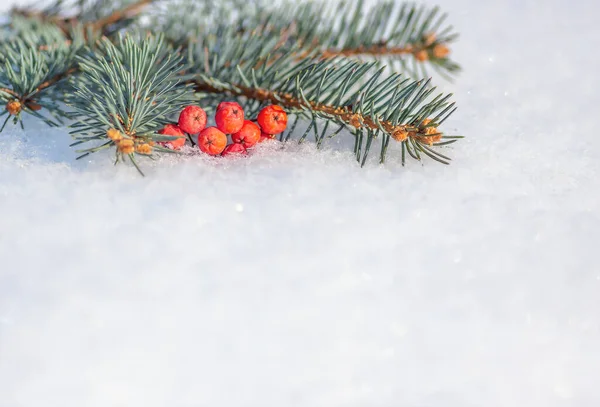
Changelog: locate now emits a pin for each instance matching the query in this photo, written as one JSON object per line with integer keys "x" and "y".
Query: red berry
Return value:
{"x": 192, "y": 119}
{"x": 173, "y": 130}
{"x": 272, "y": 119}
{"x": 249, "y": 135}
{"x": 212, "y": 141}
{"x": 230, "y": 118}
{"x": 234, "y": 149}
{"x": 231, "y": 104}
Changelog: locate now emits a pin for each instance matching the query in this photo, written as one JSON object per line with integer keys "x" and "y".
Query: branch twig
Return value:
{"x": 398, "y": 132}
{"x": 9, "y": 91}
{"x": 421, "y": 52}
{"x": 64, "y": 24}
{"x": 116, "y": 16}
{"x": 53, "y": 80}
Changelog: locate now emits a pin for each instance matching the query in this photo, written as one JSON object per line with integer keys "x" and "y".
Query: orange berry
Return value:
{"x": 114, "y": 135}
{"x": 127, "y": 149}
{"x": 355, "y": 120}
{"x": 212, "y": 141}
{"x": 173, "y": 130}
{"x": 429, "y": 39}
{"x": 272, "y": 119}
{"x": 229, "y": 117}
{"x": 421, "y": 55}
{"x": 126, "y": 142}
{"x": 13, "y": 107}
{"x": 400, "y": 135}
{"x": 143, "y": 149}
{"x": 441, "y": 51}
{"x": 192, "y": 119}
{"x": 125, "y": 146}
{"x": 234, "y": 149}
{"x": 249, "y": 135}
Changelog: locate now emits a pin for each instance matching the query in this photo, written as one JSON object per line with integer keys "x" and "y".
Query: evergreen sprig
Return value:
{"x": 348, "y": 94}
{"x": 34, "y": 71}
{"x": 134, "y": 87}
{"x": 338, "y": 66}
{"x": 407, "y": 37}
{"x": 104, "y": 17}
{"x": 39, "y": 49}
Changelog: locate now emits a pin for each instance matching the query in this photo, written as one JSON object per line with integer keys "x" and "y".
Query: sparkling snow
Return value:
{"x": 295, "y": 278}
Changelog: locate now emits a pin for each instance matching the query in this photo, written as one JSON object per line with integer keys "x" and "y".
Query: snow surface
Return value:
{"x": 294, "y": 278}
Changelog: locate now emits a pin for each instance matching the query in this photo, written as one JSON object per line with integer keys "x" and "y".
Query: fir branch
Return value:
{"x": 372, "y": 50}
{"x": 187, "y": 21}
{"x": 409, "y": 37}
{"x": 98, "y": 17}
{"x": 52, "y": 81}
{"x": 125, "y": 93}
{"x": 119, "y": 15}
{"x": 348, "y": 93}
{"x": 32, "y": 79}
{"x": 50, "y": 51}
{"x": 307, "y": 58}
{"x": 9, "y": 92}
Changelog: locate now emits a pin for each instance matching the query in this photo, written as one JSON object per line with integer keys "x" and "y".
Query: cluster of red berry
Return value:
{"x": 229, "y": 119}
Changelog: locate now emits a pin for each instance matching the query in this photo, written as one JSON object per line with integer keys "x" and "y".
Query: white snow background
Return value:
{"x": 295, "y": 278}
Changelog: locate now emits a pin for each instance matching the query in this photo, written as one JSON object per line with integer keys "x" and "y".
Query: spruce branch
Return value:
{"x": 187, "y": 21}
{"x": 43, "y": 53}
{"x": 125, "y": 93}
{"x": 323, "y": 62}
{"x": 97, "y": 17}
{"x": 32, "y": 79}
{"x": 348, "y": 93}
{"x": 408, "y": 37}
{"x": 124, "y": 14}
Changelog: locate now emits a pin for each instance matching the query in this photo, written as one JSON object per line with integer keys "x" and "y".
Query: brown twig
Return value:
{"x": 65, "y": 24}
{"x": 15, "y": 105}
{"x": 424, "y": 49}
{"x": 9, "y": 91}
{"x": 421, "y": 52}
{"x": 398, "y": 132}
{"x": 38, "y": 15}
{"x": 53, "y": 80}
{"x": 373, "y": 50}
{"x": 116, "y": 16}
{"x": 26, "y": 97}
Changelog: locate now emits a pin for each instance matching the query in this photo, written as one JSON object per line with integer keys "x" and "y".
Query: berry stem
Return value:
{"x": 191, "y": 139}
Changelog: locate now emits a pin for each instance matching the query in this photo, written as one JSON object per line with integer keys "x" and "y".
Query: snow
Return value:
{"x": 295, "y": 278}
